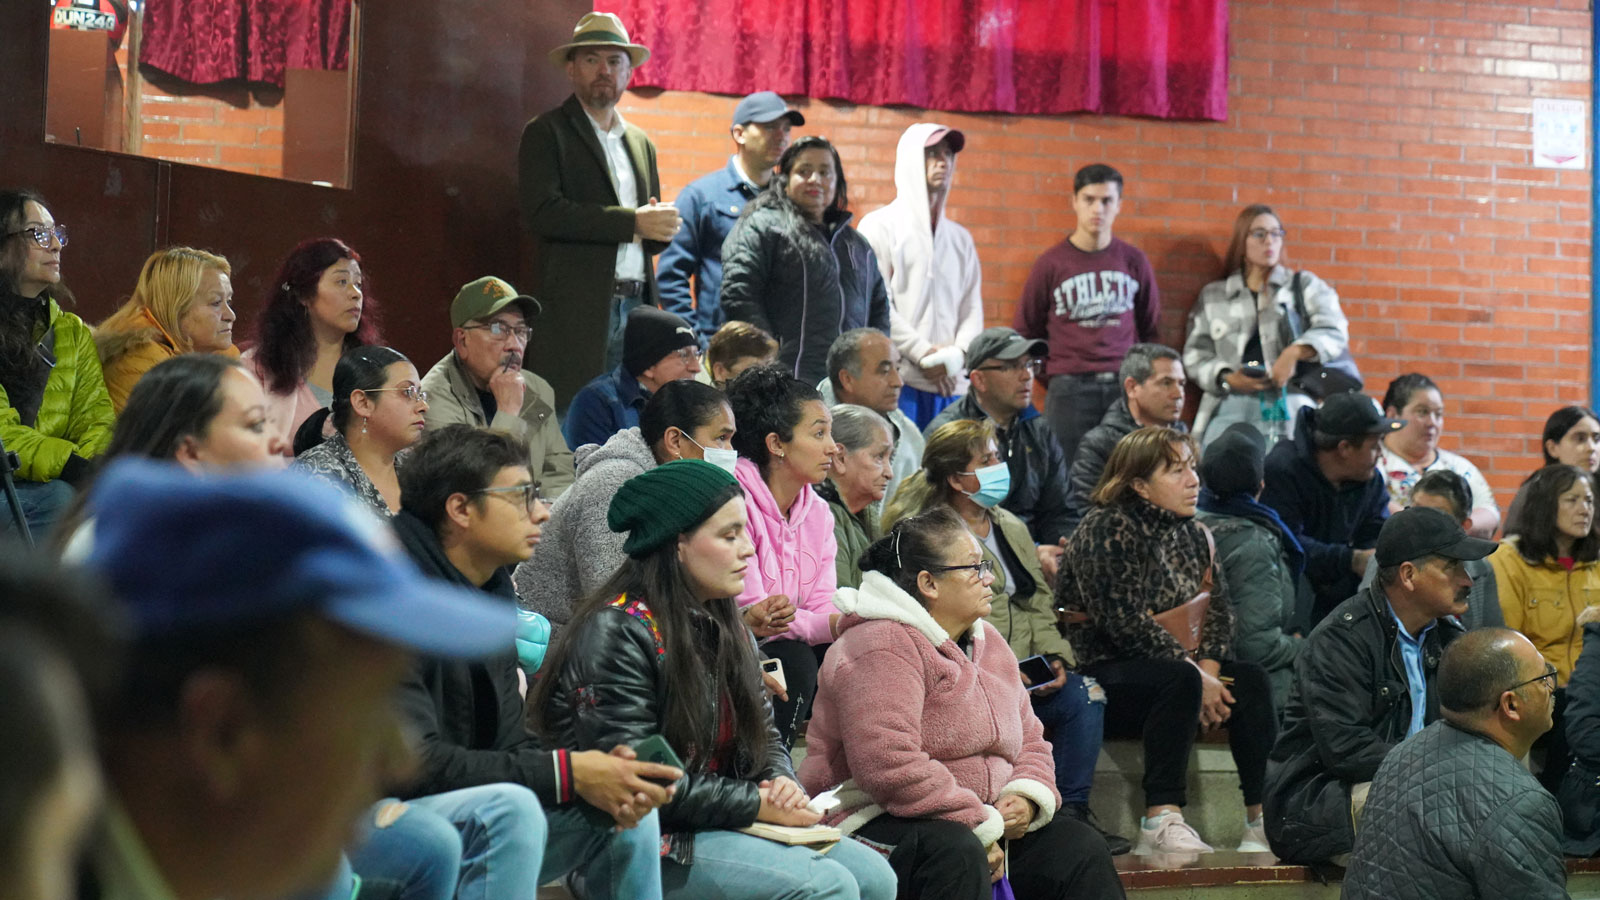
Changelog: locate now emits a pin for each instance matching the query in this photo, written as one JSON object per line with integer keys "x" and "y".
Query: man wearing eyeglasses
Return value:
{"x": 657, "y": 348}
{"x": 470, "y": 511}
{"x": 482, "y": 381}
{"x": 1364, "y": 681}
{"x": 1453, "y": 812}
{"x": 1001, "y": 365}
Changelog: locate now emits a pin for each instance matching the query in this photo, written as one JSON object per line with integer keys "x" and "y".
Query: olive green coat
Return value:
{"x": 1028, "y": 622}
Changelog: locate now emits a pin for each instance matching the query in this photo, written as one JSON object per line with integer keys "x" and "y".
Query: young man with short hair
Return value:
{"x": 1092, "y": 296}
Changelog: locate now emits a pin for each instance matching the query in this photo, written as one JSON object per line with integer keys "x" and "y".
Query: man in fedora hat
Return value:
{"x": 711, "y": 204}
{"x": 589, "y": 192}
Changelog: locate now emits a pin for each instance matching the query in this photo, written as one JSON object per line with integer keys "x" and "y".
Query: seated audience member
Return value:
{"x": 793, "y": 266}
{"x": 915, "y": 665}
{"x": 1579, "y": 791}
{"x": 316, "y": 309}
{"x": 255, "y": 721}
{"x": 1152, "y": 394}
{"x": 962, "y": 470}
{"x": 377, "y": 411}
{"x": 1413, "y": 451}
{"x": 864, "y": 369}
{"x": 1253, "y": 318}
{"x": 56, "y": 652}
{"x": 1546, "y": 576}
{"x": 657, "y": 348}
{"x": 785, "y": 444}
{"x": 1324, "y": 486}
{"x": 710, "y": 205}
{"x": 856, "y": 482}
{"x": 660, "y": 649}
{"x": 577, "y": 552}
{"x": 1349, "y": 705}
{"x": 1258, "y": 553}
{"x": 1001, "y": 366}
{"x": 182, "y": 303}
{"x": 735, "y": 347}
{"x": 1139, "y": 553}
{"x": 483, "y": 381}
{"x": 1571, "y": 437}
{"x": 1430, "y": 832}
{"x": 55, "y": 414}
{"x": 471, "y": 510}
{"x": 1448, "y": 492}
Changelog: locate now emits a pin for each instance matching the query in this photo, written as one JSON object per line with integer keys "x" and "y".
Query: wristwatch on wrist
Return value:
{"x": 1222, "y": 381}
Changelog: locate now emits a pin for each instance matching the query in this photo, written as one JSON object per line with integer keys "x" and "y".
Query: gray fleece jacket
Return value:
{"x": 577, "y": 552}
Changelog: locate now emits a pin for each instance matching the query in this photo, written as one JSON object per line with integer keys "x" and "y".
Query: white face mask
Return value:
{"x": 722, "y": 459}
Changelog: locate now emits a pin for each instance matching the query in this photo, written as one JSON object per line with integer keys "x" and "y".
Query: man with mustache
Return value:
{"x": 483, "y": 382}
{"x": 589, "y": 191}
{"x": 1365, "y": 681}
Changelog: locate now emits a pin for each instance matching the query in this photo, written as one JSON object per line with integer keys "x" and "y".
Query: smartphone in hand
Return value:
{"x": 1037, "y": 671}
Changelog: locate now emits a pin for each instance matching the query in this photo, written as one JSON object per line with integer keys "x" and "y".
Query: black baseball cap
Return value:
{"x": 1423, "y": 531}
{"x": 1002, "y": 343}
{"x": 1353, "y": 414}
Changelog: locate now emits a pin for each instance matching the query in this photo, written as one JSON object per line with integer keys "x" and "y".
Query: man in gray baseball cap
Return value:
{"x": 711, "y": 204}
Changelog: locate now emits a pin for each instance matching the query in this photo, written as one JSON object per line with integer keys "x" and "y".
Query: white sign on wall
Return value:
{"x": 1559, "y": 135}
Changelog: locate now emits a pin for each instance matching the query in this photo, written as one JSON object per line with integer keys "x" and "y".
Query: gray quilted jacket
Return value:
{"x": 1453, "y": 815}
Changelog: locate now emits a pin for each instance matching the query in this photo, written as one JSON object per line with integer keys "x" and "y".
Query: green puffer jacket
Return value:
{"x": 853, "y": 533}
{"x": 1024, "y": 613}
{"x": 1263, "y": 596}
{"x": 75, "y": 415}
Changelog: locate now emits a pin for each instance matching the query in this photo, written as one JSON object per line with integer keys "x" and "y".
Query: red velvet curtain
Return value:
{"x": 206, "y": 41}
{"x": 1162, "y": 58}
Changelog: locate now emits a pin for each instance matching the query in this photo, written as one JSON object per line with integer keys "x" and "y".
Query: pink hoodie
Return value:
{"x": 908, "y": 724}
{"x": 794, "y": 555}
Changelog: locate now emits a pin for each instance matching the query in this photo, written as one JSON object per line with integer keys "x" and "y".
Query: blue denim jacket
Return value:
{"x": 605, "y": 406}
{"x": 709, "y": 206}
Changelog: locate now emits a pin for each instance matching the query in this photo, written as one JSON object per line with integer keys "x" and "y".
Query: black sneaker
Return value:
{"x": 1115, "y": 843}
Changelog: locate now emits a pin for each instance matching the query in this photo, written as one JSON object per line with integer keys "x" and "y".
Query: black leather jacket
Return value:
{"x": 1348, "y": 707}
{"x": 611, "y": 690}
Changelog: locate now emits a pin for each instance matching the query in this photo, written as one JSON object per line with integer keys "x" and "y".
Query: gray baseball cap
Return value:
{"x": 1003, "y": 344}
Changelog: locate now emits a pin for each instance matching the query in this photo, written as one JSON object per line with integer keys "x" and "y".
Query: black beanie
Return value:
{"x": 1234, "y": 462}
{"x": 650, "y": 335}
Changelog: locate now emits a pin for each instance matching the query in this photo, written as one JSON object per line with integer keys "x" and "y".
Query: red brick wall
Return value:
{"x": 1394, "y": 138}
{"x": 224, "y": 126}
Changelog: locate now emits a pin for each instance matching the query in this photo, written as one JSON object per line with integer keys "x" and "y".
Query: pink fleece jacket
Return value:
{"x": 794, "y": 555}
{"x": 912, "y": 726}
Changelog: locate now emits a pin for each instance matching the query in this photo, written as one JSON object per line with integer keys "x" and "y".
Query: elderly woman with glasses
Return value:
{"x": 1251, "y": 330}
{"x": 55, "y": 414}
{"x": 657, "y": 347}
{"x": 378, "y": 407}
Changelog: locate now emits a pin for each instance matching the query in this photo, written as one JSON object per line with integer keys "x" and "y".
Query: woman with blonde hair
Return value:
{"x": 182, "y": 303}
{"x": 961, "y": 470}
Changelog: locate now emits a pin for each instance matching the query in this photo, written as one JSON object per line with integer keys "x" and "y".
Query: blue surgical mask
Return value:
{"x": 722, "y": 459}
{"x": 994, "y": 484}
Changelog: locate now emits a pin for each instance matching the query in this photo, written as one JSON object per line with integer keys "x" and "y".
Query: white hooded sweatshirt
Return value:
{"x": 934, "y": 280}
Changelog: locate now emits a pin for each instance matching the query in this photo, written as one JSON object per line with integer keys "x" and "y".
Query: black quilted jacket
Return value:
{"x": 1453, "y": 815}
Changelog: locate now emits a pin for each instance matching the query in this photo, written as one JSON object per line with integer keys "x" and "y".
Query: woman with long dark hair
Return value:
{"x": 794, "y": 267}
{"x": 661, "y": 649}
{"x": 1571, "y": 436}
{"x": 55, "y": 414}
{"x": 378, "y": 404}
{"x": 316, "y": 309}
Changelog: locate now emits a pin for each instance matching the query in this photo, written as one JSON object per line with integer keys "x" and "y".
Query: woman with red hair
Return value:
{"x": 316, "y": 310}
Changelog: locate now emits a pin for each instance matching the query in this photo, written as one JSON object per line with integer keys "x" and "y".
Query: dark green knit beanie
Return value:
{"x": 664, "y": 502}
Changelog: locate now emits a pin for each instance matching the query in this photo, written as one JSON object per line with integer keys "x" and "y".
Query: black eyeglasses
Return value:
{"x": 986, "y": 567}
{"x": 41, "y": 236}
{"x": 1550, "y": 674}
{"x": 500, "y": 330}
{"x": 530, "y": 494}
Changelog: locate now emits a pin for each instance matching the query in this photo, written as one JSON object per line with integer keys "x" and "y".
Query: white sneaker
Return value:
{"x": 1255, "y": 837}
{"x": 1168, "y": 833}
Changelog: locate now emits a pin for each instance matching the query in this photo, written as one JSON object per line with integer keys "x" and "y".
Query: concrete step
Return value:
{"x": 1216, "y": 808}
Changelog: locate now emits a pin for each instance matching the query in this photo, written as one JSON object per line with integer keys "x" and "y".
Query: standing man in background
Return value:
{"x": 930, "y": 266}
{"x": 589, "y": 190}
{"x": 711, "y": 204}
{"x": 1091, "y": 297}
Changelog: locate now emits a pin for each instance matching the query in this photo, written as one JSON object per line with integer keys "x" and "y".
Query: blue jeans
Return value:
{"x": 1076, "y": 723}
{"x": 922, "y": 406}
{"x": 616, "y": 322}
{"x": 733, "y": 866}
{"x": 417, "y": 857}
{"x": 43, "y": 502}
{"x": 510, "y": 845}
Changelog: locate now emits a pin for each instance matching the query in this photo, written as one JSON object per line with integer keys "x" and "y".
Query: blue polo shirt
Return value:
{"x": 1416, "y": 679}
{"x": 604, "y": 407}
{"x": 710, "y": 206}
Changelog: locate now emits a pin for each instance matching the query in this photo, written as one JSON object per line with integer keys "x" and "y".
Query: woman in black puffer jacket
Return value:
{"x": 793, "y": 265}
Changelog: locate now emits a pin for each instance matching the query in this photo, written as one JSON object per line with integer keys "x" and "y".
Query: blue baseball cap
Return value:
{"x": 763, "y": 107}
{"x": 186, "y": 552}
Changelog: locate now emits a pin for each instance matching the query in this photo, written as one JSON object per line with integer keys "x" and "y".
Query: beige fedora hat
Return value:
{"x": 601, "y": 29}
